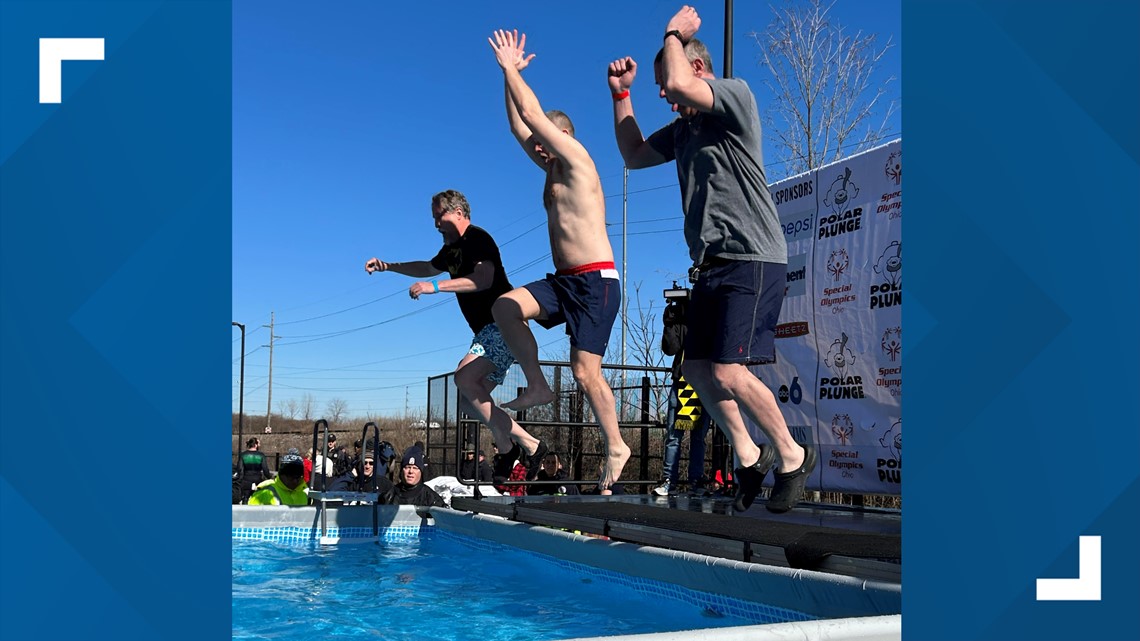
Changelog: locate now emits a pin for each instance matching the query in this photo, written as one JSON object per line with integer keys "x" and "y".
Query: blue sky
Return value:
{"x": 349, "y": 116}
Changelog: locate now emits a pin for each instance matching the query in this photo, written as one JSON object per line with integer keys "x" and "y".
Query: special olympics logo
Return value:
{"x": 889, "y": 264}
{"x": 838, "y": 262}
{"x": 842, "y": 427}
{"x": 893, "y": 168}
{"x": 892, "y": 440}
{"x": 892, "y": 342}
{"x": 841, "y": 192}
{"x": 839, "y": 358}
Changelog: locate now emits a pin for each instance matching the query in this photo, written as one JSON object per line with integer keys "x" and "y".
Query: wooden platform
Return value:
{"x": 849, "y": 541}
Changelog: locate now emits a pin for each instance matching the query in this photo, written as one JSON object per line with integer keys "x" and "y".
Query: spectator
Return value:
{"x": 486, "y": 472}
{"x": 468, "y": 467}
{"x": 552, "y": 471}
{"x": 252, "y": 469}
{"x": 694, "y": 420}
{"x": 288, "y": 488}
{"x": 411, "y": 489}
{"x": 308, "y": 465}
{"x": 518, "y": 473}
{"x": 348, "y": 481}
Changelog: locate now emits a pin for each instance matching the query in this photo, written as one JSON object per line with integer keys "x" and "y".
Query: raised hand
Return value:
{"x": 375, "y": 265}
{"x": 686, "y": 21}
{"x": 510, "y": 49}
{"x": 621, "y": 74}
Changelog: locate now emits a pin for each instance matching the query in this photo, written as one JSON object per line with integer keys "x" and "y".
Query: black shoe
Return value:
{"x": 534, "y": 461}
{"x": 789, "y": 487}
{"x": 504, "y": 463}
{"x": 749, "y": 479}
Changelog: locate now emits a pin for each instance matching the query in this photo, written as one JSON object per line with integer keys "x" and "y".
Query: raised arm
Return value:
{"x": 634, "y": 149}
{"x": 415, "y": 269}
{"x": 681, "y": 84}
{"x": 509, "y": 53}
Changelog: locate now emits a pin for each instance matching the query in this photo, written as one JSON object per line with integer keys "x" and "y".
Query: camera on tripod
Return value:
{"x": 676, "y": 300}
{"x": 676, "y": 292}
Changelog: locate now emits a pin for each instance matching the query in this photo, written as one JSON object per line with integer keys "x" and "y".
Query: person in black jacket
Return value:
{"x": 252, "y": 468}
{"x": 486, "y": 472}
{"x": 348, "y": 481}
{"x": 411, "y": 489}
{"x": 552, "y": 471}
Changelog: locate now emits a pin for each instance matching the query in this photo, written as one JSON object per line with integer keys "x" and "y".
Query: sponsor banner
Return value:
{"x": 838, "y": 375}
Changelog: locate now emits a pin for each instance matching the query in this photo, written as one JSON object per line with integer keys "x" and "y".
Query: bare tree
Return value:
{"x": 308, "y": 403}
{"x": 336, "y": 409}
{"x": 288, "y": 408}
{"x": 823, "y": 87}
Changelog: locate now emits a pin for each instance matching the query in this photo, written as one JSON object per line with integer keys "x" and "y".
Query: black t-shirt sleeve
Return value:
{"x": 439, "y": 261}
{"x": 480, "y": 247}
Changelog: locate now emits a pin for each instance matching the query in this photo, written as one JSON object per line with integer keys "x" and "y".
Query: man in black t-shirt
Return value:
{"x": 471, "y": 258}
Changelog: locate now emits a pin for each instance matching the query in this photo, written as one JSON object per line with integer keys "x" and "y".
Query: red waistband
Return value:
{"x": 585, "y": 269}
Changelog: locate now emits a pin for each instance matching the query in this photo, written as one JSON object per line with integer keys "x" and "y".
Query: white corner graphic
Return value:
{"x": 53, "y": 51}
{"x": 1086, "y": 587}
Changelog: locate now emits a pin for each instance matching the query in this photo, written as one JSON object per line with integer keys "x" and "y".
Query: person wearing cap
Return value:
{"x": 468, "y": 467}
{"x": 252, "y": 469}
{"x": 348, "y": 481}
{"x": 288, "y": 488}
{"x": 411, "y": 489}
{"x": 486, "y": 472}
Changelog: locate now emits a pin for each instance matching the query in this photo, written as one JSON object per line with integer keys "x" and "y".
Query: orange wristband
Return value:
{"x": 621, "y": 96}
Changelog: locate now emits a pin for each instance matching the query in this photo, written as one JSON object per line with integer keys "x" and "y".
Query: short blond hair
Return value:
{"x": 561, "y": 120}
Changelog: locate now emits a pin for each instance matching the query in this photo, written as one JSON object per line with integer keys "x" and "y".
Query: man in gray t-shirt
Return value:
{"x": 735, "y": 242}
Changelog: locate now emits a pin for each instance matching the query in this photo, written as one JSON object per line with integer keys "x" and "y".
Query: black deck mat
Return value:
{"x": 804, "y": 545}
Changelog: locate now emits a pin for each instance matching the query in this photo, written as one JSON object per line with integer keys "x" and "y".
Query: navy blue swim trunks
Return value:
{"x": 734, "y": 310}
{"x": 587, "y": 298}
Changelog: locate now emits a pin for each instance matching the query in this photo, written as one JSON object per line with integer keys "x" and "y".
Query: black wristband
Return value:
{"x": 674, "y": 32}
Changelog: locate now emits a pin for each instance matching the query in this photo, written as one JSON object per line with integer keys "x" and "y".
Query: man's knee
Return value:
{"x": 586, "y": 371}
{"x": 506, "y": 309}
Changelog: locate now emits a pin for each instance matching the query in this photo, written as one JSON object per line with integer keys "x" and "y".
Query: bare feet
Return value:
{"x": 611, "y": 471}
{"x": 532, "y": 396}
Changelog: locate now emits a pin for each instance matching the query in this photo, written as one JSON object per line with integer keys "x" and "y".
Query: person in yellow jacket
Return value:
{"x": 288, "y": 488}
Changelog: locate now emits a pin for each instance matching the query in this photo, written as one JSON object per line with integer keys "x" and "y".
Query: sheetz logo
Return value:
{"x": 890, "y": 469}
{"x": 888, "y": 293}
{"x": 791, "y": 330}
{"x": 842, "y": 385}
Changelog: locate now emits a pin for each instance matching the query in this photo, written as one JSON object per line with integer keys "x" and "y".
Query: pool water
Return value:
{"x": 438, "y": 586}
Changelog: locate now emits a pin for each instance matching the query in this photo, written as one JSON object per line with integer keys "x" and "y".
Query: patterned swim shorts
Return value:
{"x": 489, "y": 344}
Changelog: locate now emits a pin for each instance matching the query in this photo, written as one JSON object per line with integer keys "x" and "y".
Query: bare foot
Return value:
{"x": 611, "y": 472}
{"x": 532, "y": 396}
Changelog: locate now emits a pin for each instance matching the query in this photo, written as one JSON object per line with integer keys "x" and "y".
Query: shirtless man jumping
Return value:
{"x": 584, "y": 292}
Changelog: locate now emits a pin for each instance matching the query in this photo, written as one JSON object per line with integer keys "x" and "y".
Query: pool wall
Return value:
{"x": 814, "y": 593}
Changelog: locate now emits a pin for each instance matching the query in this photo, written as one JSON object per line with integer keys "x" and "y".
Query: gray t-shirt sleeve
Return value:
{"x": 661, "y": 141}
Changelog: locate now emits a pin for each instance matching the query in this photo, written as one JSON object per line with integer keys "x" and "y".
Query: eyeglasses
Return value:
{"x": 368, "y": 462}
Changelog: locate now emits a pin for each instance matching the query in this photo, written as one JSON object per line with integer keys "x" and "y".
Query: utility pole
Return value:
{"x": 269, "y": 402}
{"x": 624, "y": 282}
{"x": 727, "y": 38}
{"x": 405, "y": 403}
{"x": 241, "y": 386}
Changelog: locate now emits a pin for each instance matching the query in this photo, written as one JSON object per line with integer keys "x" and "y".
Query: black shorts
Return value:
{"x": 734, "y": 310}
{"x": 588, "y": 302}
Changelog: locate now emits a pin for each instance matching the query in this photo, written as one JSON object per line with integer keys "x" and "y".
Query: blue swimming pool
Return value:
{"x": 431, "y": 584}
